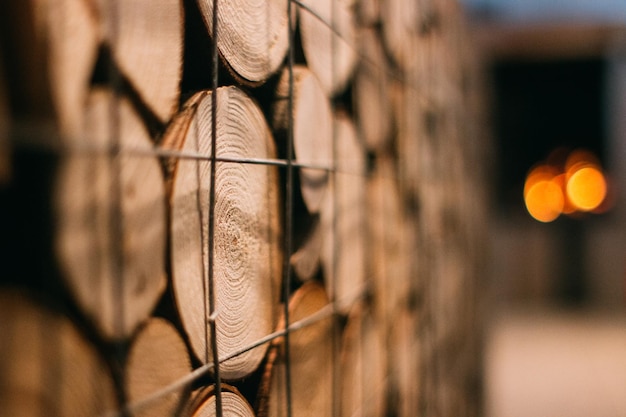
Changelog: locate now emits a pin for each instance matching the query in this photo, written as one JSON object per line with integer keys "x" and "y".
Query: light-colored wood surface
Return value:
{"x": 364, "y": 366}
{"x": 234, "y": 404}
{"x": 48, "y": 367}
{"x": 305, "y": 261}
{"x": 252, "y": 36}
{"x": 311, "y": 372}
{"x": 343, "y": 218}
{"x": 110, "y": 219}
{"x": 371, "y": 94}
{"x": 328, "y": 31}
{"x": 73, "y": 38}
{"x": 146, "y": 39}
{"x": 312, "y": 131}
{"x": 157, "y": 357}
{"x": 247, "y": 254}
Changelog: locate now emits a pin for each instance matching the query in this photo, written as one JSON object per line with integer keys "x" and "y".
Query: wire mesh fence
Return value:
{"x": 269, "y": 208}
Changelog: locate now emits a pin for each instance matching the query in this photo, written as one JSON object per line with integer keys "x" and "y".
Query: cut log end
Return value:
{"x": 109, "y": 209}
{"x": 232, "y": 402}
{"x": 312, "y": 131}
{"x": 310, "y": 348}
{"x": 252, "y": 40}
{"x": 157, "y": 357}
{"x": 48, "y": 367}
{"x": 247, "y": 256}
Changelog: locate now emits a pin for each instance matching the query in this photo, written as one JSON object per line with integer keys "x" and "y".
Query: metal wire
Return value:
{"x": 116, "y": 150}
{"x": 180, "y": 384}
{"x": 289, "y": 196}
{"x": 211, "y": 241}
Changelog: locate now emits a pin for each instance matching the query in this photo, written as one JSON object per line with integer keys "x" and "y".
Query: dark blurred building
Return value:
{"x": 558, "y": 81}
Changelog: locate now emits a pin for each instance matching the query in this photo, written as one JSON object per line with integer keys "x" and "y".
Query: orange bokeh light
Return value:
{"x": 586, "y": 188}
{"x": 565, "y": 186}
{"x": 545, "y": 200}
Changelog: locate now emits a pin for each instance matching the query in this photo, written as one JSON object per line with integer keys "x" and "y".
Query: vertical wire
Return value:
{"x": 211, "y": 240}
{"x": 115, "y": 210}
{"x": 336, "y": 340}
{"x": 289, "y": 184}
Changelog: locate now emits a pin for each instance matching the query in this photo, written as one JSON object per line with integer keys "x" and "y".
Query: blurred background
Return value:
{"x": 556, "y": 343}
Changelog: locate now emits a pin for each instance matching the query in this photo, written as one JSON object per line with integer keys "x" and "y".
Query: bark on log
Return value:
{"x": 312, "y": 131}
{"x": 110, "y": 213}
{"x": 146, "y": 39}
{"x": 233, "y": 403}
{"x": 157, "y": 357}
{"x": 175, "y": 135}
{"x": 252, "y": 36}
{"x": 328, "y": 31}
{"x": 363, "y": 366}
{"x": 371, "y": 94}
{"x": 343, "y": 219}
{"x": 311, "y": 373}
{"x": 48, "y": 368}
{"x": 247, "y": 256}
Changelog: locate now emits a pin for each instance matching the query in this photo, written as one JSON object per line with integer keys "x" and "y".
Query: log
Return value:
{"x": 252, "y": 36}
{"x": 72, "y": 39}
{"x": 413, "y": 117}
{"x": 110, "y": 219}
{"x": 371, "y": 95}
{"x": 51, "y": 49}
{"x": 328, "y": 31}
{"x": 311, "y": 372}
{"x": 388, "y": 280}
{"x": 247, "y": 255}
{"x": 363, "y": 366}
{"x": 305, "y": 261}
{"x": 157, "y": 357}
{"x": 48, "y": 367}
{"x": 402, "y": 22}
{"x": 368, "y": 12}
{"x": 146, "y": 41}
{"x": 343, "y": 219}
{"x": 233, "y": 403}
{"x": 404, "y": 355}
{"x": 175, "y": 135}
{"x": 312, "y": 131}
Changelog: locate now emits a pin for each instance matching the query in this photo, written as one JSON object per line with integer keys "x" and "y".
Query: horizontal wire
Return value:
{"x": 188, "y": 379}
{"x": 88, "y": 149}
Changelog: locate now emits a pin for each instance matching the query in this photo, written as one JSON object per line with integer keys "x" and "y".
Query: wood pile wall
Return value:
{"x": 267, "y": 208}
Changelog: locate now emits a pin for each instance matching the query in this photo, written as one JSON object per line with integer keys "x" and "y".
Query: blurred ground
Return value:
{"x": 556, "y": 364}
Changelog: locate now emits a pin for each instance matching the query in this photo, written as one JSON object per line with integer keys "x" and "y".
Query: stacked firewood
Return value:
{"x": 260, "y": 207}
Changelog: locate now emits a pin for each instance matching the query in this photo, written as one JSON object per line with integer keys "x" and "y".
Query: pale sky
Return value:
{"x": 594, "y": 10}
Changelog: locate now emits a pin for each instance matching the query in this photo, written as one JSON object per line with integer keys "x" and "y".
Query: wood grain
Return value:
{"x": 48, "y": 367}
{"x": 252, "y": 35}
{"x": 328, "y": 35}
{"x": 247, "y": 256}
{"x": 110, "y": 219}
{"x": 157, "y": 357}
{"x": 311, "y": 371}
{"x": 146, "y": 39}
{"x": 312, "y": 131}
